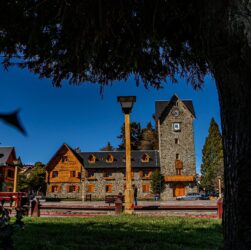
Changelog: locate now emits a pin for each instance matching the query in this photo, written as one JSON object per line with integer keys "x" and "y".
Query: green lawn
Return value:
{"x": 119, "y": 232}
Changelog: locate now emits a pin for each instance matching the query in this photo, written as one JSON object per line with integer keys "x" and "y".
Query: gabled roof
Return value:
{"x": 119, "y": 161}
{"x": 5, "y": 153}
{"x": 64, "y": 145}
{"x": 162, "y": 108}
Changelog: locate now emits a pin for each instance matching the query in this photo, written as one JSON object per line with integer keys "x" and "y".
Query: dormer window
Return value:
{"x": 92, "y": 158}
{"x": 145, "y": 158}
{"x": 109, "y": 158}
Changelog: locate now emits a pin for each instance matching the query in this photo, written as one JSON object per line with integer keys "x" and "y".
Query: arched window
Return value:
{"x": 145, "y": 158}
{"x": 92, "y": 158}
{"x": 109, "y": 158}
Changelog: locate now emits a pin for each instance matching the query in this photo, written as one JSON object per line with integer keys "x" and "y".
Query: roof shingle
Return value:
{"x": 118, "y": 161}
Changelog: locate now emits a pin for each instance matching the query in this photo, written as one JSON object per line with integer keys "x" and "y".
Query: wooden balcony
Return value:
{"x": 109, "y": 178}
{"x": 178, "y": 164}
{"x": 179, "y": 178}
{"x": 92, "y": 178}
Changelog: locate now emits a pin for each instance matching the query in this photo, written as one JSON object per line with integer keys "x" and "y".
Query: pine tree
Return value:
{"x": 157, "y": 182}
{"x": 135, "y": 136}
{"x": 108, "y": 147}
{"x": 212, "y": 160}
{"x": 149, "y": 140}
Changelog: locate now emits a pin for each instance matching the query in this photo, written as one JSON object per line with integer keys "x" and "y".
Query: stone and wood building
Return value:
{"x": 74, "y": 174}
{"x": 7, "y": 168}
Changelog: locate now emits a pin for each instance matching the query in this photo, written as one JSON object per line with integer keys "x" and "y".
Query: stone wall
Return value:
{"x": 117, "y": 181}
{"x": 118, "y": 184}
{"x": 177, "y": 144}
{"x": 63, "y": 191}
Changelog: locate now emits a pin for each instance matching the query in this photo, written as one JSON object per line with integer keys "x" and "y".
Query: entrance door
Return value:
{"x": 179, "y": 190}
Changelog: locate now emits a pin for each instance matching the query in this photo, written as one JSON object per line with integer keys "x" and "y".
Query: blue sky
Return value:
{"x": 79, "y": 116}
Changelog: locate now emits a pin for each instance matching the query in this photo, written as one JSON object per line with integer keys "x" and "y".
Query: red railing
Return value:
{"x": 12, "y": 198}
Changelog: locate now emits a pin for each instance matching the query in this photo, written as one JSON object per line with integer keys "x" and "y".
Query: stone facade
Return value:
{"x": 117, "y": 183}
{"x": 176, "y": 145}
{"x": 97, "y": 177}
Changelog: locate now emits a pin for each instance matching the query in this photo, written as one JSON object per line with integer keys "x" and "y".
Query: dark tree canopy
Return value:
{"x": 99, "y": 41}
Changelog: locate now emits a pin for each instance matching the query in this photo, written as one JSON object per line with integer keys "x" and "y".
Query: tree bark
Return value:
{"x": 234, "y": 88}
{"x": 229, "y": 57}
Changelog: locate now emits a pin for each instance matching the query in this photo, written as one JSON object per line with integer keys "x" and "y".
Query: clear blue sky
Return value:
{"x": 80, "y": 117}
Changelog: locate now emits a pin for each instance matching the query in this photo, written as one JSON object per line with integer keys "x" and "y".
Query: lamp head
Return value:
{"x": 126, "y": 103}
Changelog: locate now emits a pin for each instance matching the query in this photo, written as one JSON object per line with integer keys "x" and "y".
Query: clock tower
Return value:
{"x": 176, "y": 146}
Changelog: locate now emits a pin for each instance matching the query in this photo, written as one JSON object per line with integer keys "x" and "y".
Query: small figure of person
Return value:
{"x": 135, "y": 193}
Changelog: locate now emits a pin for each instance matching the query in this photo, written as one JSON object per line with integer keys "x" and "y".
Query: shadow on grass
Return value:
{"x": 122, "y": 232}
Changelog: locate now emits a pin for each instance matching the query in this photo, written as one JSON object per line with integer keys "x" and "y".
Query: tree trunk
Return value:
{"x": 229, "y": 57}
{"x": 234, "y": 88}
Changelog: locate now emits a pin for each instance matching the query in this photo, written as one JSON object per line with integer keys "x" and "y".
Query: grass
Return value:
{"x": 119, "y": 232}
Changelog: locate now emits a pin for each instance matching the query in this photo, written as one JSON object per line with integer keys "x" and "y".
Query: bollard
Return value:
{"x": 220, "y": 208}
{"x": 118, "y": 206}
{"x": 35, "y": 208}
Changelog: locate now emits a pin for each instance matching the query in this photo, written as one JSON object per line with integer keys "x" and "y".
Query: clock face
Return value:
{"x": 175, "y": 112}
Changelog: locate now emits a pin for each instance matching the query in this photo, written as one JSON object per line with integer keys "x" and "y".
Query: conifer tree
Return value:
{"x": 108, "y": 147}
{"x": 157, "y": 182}
{"x": 212, "y": 160}
{"x": 149, "y": 138}
{"x": 135, "y": 130}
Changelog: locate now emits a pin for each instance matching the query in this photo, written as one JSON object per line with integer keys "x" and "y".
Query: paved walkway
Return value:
{"x": 199, "y": 208}
{"x": 208, "y": 203}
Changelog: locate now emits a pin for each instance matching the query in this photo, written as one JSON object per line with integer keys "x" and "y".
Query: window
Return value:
{"x": 108, "y": 188}
{"x": 178, "y": 164}
{"x": 64, "y": 158}
{"x": 109, "y": 158}
{"x": 89, "y": 174}
{"x": 10, "y": 173}
{"x": 72, "y": 189}
{"x": 176, "y": 126}
{"x": 73, "y": 173}
{"x": 92, "y": 158}
{"x": 145, "y": 158}
{"x": 108, "y": 174}
{"x": 90, "y": 188}
{"x": 146, "y": 188}
{"x": 54, "y": 189}
{"x": 54, "y": 174}
{"x": 178, "y": 171}
{"x": 176, "y": 140}
{"x": 145, "y": 173}
{"x": 177, "y": 156}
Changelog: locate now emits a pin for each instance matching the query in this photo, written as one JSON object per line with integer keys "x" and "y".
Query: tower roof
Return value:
{"x": 162, "y": 107}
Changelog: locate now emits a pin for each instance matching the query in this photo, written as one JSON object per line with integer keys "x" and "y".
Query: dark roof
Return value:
{"x": 162, "y": 106}
{"x": 119, "y": 157}
{"x": 4, "y": 154}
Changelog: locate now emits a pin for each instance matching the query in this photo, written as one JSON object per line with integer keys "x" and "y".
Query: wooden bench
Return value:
{"x": 112, "y": 198}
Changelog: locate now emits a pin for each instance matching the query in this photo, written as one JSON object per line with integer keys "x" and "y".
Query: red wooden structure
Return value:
{"x": 12, "y": 197}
